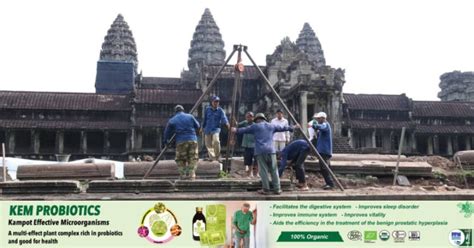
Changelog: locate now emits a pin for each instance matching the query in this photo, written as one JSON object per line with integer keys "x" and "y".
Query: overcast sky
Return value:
{"x": 386, "y": 47}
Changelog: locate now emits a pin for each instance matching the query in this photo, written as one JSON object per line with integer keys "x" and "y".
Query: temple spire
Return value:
{"x": 309, "y": 44}
{"x": 207, "y": 46}
{"x": 119, "y": 44}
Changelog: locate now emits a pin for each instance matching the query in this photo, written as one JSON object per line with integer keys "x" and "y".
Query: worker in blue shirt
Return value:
{"x": 214, "y": 117}
{"x": 265, "y": 150}
{"x": 184, "y": 126}
{"x": 324, "y": 146}
{"x": 296, "y": 152}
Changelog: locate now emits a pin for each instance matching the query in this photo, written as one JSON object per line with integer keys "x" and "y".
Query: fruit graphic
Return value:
{"x": 159, "y": 228}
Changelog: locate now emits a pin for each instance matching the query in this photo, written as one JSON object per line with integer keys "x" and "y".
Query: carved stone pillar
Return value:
{"x": 106, "y": 142}
{"x": 60, "y": 142}
{"x": 127, "y": 142}
{"x": 35, "y": 141}
{"x": 304, "y": 110}
{"x": 139, "y": 140}
{"x": 132, "y": 139}
{"x": 436, "y": 144}
{"x": 374, "y": 141}
{"x": 455, "y": 144}
{"x": 11, "y": 141}
{"x": 449, "y": 149}
{"x": 430, "y": 145}
{"x": 349, "y": 135}
{"x": 413, "y": 142}
{"x": 83, "y": 142}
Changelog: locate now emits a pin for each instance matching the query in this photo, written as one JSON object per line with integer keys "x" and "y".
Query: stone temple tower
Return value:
{"x": 457, "y": 86}
{"x": 309, "y": 44}
{"x": 117, "y": 65}
{"x": 299, "y": 71}
{"x": 207, "y": 46}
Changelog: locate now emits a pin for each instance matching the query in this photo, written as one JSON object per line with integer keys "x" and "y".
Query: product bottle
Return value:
{"x": 199, "y": 223}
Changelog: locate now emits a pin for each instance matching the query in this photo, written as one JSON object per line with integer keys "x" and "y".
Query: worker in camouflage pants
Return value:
{"x": 185, "y": 127}
{"x": 186, "y": 158}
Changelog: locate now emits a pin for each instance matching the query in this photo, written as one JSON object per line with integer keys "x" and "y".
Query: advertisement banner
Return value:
{"x": 230, "y": 223}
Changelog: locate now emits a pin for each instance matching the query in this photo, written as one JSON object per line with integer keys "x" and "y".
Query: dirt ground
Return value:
{"x": 445, "y": 177}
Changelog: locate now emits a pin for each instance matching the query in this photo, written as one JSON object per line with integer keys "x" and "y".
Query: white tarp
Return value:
{"x": 13, "y": 163}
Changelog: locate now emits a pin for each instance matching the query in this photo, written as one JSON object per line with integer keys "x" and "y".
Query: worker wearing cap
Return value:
{"x": 248, "y": 143}
{"x": 214, "y": 117}
{"x": 324, "y": 146}
{"x": 184, "y": 126}
{"x": 282, "y": 138}
{"x": 265, "y": 151}
{"x": 311, "y": 132}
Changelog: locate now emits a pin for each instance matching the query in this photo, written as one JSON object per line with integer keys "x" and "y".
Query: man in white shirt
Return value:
{"x": 282, "y": 138}
{"x": 312, "y": 134}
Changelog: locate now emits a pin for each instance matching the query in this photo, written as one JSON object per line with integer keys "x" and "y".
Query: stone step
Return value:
{"x": 225, "y": 185}
{"x": 130, "y": 186}
{"x": 168, "y": 169}
{"x": 40, "y": 187}
{"x": 163, "y": 186}
{"x": 65, "y": 171}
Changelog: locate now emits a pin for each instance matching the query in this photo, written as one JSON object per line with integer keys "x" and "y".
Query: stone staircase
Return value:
{"x": 341, "y": 145}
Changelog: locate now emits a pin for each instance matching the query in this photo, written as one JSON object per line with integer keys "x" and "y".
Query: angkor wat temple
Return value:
{"x": 127, "y": 114}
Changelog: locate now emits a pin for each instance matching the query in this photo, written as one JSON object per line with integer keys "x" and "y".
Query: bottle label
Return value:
{"x": 198, "y": 226}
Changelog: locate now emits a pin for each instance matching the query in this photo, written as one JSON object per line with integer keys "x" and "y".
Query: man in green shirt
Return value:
{"x": 248, "y": 143}
{"x": 241, "y": 222}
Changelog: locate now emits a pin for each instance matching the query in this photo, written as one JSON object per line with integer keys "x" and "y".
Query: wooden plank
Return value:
{"x": 85, "y": 171}
{"x": 40, "y": 187}
{"x": 167, "y": 169}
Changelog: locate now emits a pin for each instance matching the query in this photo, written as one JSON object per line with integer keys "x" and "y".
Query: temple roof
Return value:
{"x": 62, "y": 101}
{"x": 207, "y": 46}
{"x": 377, "y": 102}
{"x": 159, "y": 96}
{"x": 379, "y": 124}
{"x": 161, "y": 83}
{"x": 119, "y": 44}
{"x": 443, "y": 109}
{"x": 65, "y": 124}
{"x": 309, "y": 44}
{"x": 445, "y": 129}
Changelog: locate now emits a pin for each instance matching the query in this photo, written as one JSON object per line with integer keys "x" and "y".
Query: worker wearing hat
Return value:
{"x": 184, "y": 126}
{"x": 324, "y": 146}
{"x": 265, "y": 151}
{"x": 214, "y": 118}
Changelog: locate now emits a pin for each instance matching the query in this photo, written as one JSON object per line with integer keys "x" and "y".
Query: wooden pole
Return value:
{"x": 3, "y": 163}
{"x": 400, "y": 147}
{"x": 197, "y": 105}
{"x": 233, "y": 120}
{"x": 314, "y": 150}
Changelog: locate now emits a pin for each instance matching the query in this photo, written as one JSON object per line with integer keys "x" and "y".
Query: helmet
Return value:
{"x": 260, "y": 115}
{"x": 215, "y": 98}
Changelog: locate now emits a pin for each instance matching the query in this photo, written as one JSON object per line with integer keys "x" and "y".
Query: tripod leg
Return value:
{"x": 292, "y": 118}
{"x": 198, "y": 103}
